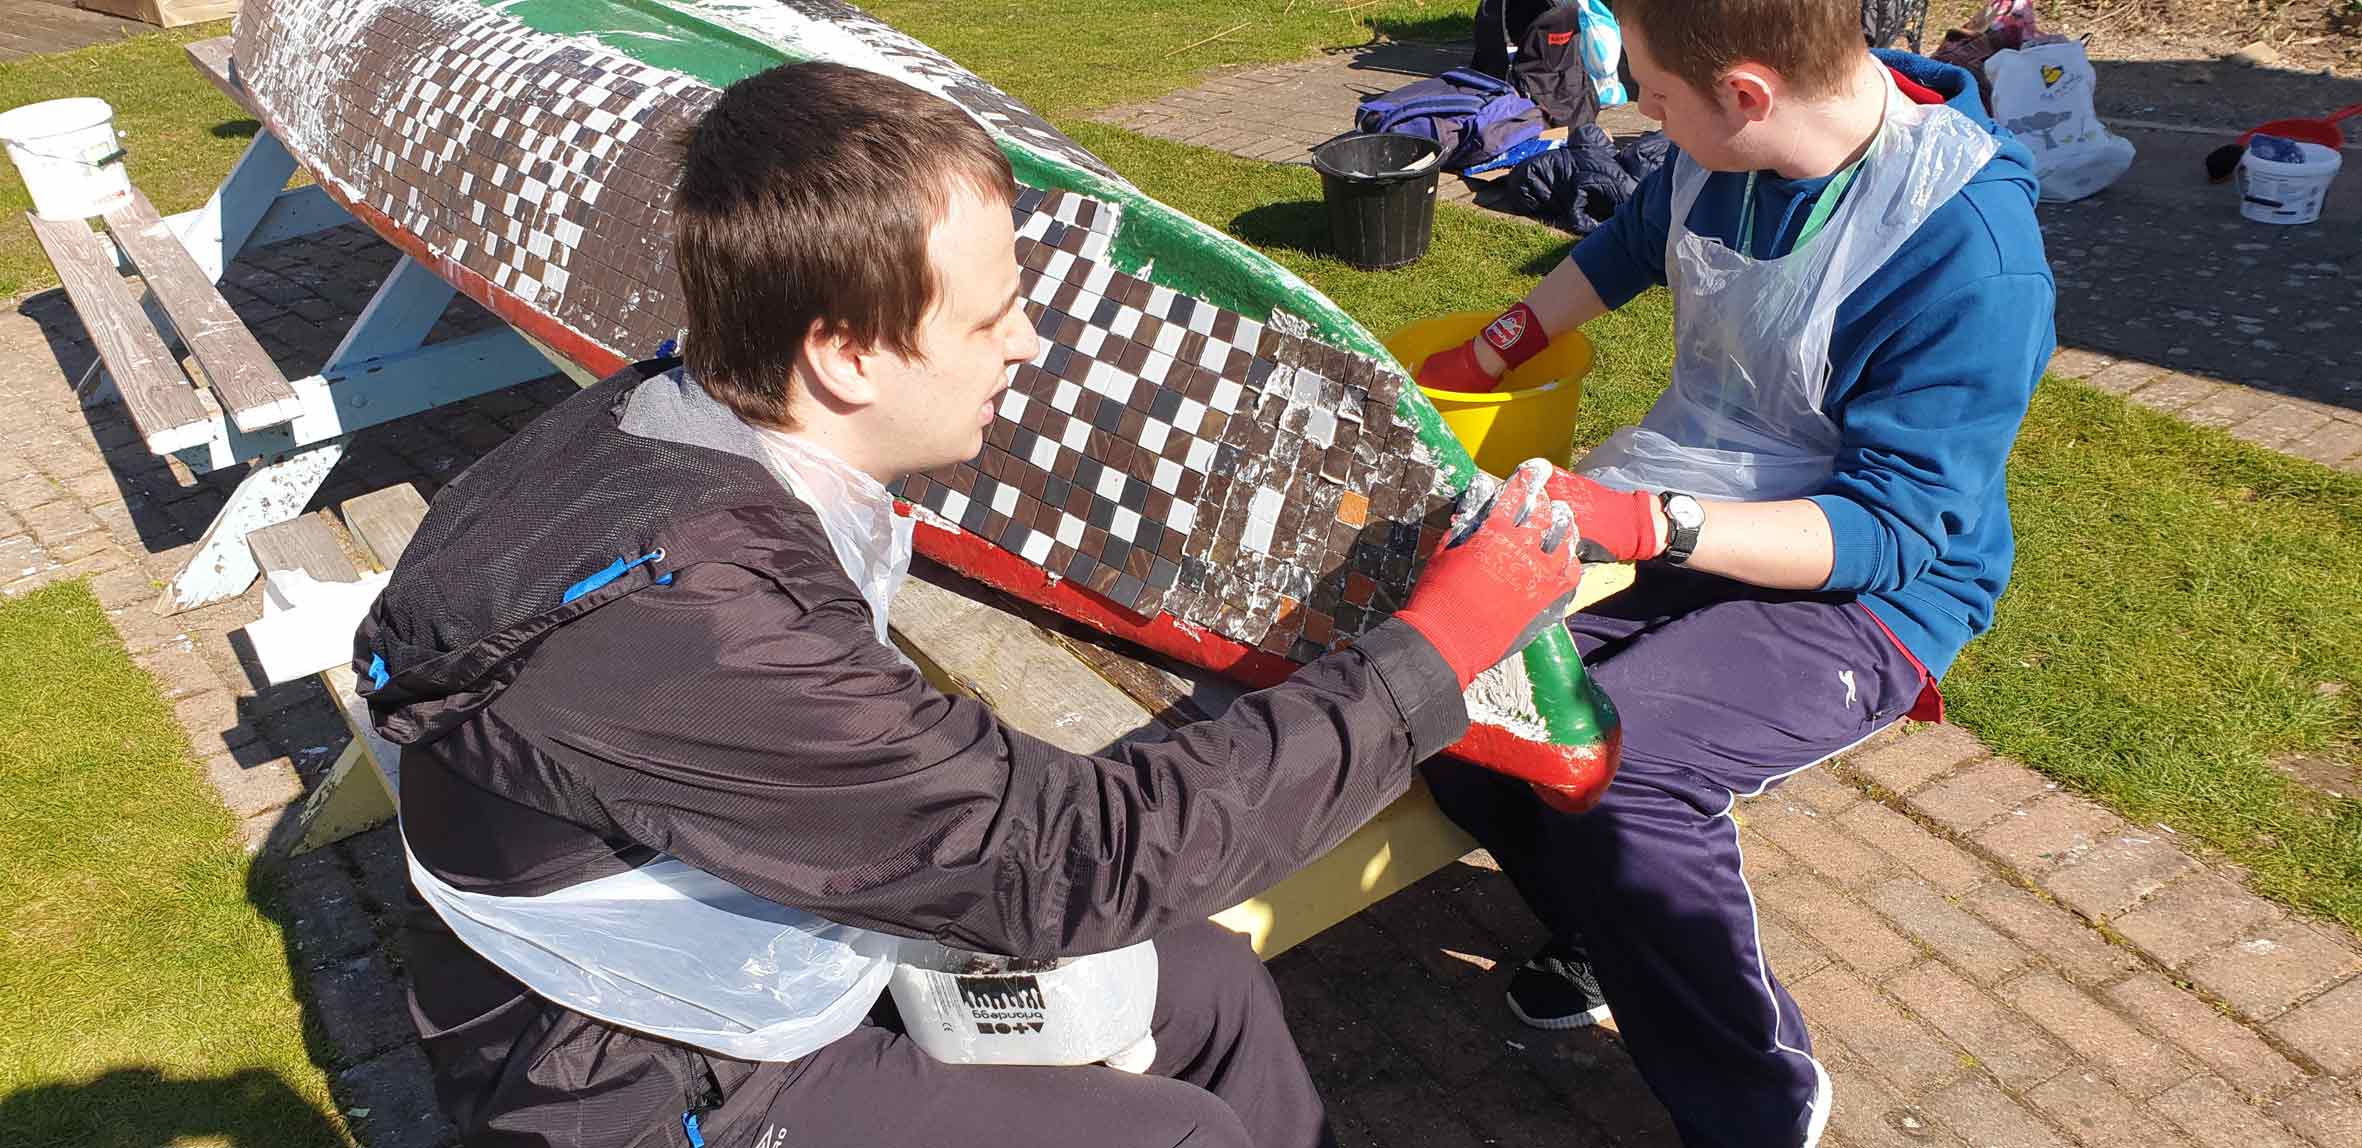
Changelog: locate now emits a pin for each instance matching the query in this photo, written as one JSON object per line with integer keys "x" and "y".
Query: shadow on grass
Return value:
{"x": 141, "y": 1107}
{"x": 1297, "y": 225}
{"x": 236, "y": 129}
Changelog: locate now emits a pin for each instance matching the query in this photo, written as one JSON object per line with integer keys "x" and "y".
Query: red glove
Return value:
{"x": 1506, "y": 572}
{"x": 1616, "y": 525}
{"x": 1456, "y": 369}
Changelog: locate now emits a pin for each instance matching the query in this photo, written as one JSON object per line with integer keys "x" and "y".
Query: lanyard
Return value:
{"x": 1824, "y": 205}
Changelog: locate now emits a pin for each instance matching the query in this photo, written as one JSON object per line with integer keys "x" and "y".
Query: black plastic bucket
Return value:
{"x": 1380, "y": 190}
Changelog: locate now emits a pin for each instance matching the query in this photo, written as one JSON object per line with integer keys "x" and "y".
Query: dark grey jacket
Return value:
{"x": 723, "y": 700}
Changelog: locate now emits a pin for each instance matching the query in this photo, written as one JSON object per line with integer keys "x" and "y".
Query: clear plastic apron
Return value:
{"x": 1742, "y": 418}
{"x": 670, "y": 950}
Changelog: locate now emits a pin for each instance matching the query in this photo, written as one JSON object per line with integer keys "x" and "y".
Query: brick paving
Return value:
{"x": 1983, "y": 959}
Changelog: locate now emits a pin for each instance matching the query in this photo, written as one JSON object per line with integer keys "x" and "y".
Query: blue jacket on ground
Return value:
{"x": 1933, "y": 361}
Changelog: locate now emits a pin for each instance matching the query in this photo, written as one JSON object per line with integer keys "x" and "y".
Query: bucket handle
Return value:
{"x": 117, "y": 154}
{"x": 2345, "y": 112}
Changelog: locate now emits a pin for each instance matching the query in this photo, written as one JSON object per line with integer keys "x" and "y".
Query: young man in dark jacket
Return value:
{"x": 640, "y": 646}
{"x": 1861, "y": 312}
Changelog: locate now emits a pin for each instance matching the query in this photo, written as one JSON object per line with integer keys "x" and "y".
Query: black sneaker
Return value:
{"x": 1557, "y": 990}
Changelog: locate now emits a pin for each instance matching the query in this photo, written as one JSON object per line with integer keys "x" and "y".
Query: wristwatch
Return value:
{"x": 1686, "y": 517}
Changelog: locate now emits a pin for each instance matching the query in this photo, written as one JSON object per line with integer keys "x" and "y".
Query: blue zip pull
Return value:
{"x": 377, "y": 675}
{"x": 609, "y": 573}
{"x": 689, "y": 1125}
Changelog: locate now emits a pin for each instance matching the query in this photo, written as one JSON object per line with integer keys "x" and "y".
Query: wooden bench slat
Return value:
{"x": 243, "y": 376}
{"x": 157, "y": 395}
{"x": 305, "y": 543}
{"x": 384, "y": 520}
{"x": 212, "y": 59}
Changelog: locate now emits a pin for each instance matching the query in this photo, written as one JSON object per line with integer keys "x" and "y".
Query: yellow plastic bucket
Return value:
{"x": 1533, "y": 416}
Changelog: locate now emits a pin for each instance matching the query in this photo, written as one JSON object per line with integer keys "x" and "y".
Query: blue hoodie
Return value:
{"x": 1932, "y": 362}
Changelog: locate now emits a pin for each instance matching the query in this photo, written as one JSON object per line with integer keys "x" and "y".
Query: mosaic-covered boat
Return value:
{"x": 1208, "y": 457}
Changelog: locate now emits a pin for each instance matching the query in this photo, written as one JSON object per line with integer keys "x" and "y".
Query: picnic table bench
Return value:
{"x": 1046, "y": 676}
{"x": 240, "y": 409}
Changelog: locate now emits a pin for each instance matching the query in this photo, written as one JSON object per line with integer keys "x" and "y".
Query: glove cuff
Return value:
{"x": 1517, "y": 335}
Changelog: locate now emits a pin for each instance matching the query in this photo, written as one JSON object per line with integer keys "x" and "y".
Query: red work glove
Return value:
{"x": 1456, "y": 369}
{"x": 1616, "y": 525}
{"x": 1506, "y": 572}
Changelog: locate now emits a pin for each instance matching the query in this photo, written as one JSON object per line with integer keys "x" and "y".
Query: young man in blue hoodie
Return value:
{"x": 1861, "y": 312}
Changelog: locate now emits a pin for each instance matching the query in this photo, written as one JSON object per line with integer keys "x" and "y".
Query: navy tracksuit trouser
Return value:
{"x": 1724, "y": 690}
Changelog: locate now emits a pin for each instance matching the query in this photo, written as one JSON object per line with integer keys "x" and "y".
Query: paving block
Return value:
{"x": 2004, "y": 1042}
{"x": 1978, "y": 794}
{"x": 2141, "y": 1063}
{"x": 2261, "y": 975}
{"x": 360, "y": 1007}
{"x": 1840, "y": 1006}
{"x": 2076, "y": 363}
{"x": 322, "y": 909}
{"x": 2100, "y": 1115}
{"x": 2048, "y": 832}
{"x": 385, "y": 872}
{"x": 2116, "y": 875}
{"x": 1819, "y": 790}
{"x": 2227, "y": 407}
{"x": 2282, "y": 422}
{"x": 2198, "y": 913}
{"x": 2328, "y": 1028}
{"x": 2216, "y": 1117}
{"x": 2064, "y": 941}
{"x": 397, "y": 1091}
{"x": 2222, "y": 1044}
{"x": 2332, "y": 443}
{"x": 1988, "y": 1118}
{"x": 1791, "y": 956}
{"x": 1949, "y": 868}
{"x": 1868, "y": 1114}
{"x": 2328, "y": 1114}
{"x": 1841, "y": 924}
{"x": 261, "y": 787}
{"x": 1924, "y": 754}
{"x": 1815, "y": 840}
{"x": 1969, "y": 944}
{"x": 2171, "y": 392}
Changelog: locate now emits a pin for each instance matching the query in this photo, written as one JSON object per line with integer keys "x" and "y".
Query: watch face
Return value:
{"x": 1685, "y": 511}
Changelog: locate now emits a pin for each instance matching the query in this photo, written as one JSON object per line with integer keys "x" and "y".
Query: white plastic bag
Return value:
{"x": 2043, "y": 94}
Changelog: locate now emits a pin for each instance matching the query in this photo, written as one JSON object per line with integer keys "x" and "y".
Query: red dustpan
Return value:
{"x": 2322, "y": 130}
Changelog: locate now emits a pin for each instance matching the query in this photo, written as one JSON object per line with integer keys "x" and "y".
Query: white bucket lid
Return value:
{"x": 53, "y": 117}
{"x": 2318, "y": 160}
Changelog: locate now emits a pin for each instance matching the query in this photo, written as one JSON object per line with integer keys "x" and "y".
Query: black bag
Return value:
{"x": 1549, "y": 68}
{"x": 1547, "y": 64}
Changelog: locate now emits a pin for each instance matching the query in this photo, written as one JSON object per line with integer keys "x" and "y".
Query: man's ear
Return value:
{"x": 1748, "y": 91}
{"x": 838, "y": 369}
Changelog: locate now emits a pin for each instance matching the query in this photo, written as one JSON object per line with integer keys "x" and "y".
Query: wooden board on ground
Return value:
{"x": 382, "y": 521}
{"x": 242, "y": 375}
{"x": 155, "y": 393}
{"x": 164, "y": 13}
{"x": 304, "y": 543}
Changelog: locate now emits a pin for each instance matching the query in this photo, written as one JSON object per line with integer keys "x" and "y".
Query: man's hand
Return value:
{"x": 1457, "y": 369}
{"x": 1617, "y": 526}
{"x": 1507, "y": 571}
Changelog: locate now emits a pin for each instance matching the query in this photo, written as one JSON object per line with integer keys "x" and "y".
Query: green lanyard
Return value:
{"x": 1824, "y": 205}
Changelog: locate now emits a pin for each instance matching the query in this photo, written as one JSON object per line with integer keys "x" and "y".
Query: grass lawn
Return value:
{"x": 149, "y": 999}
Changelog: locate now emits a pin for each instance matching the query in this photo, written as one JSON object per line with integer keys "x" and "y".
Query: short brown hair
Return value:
{"x": 807, "y": 194}
{"x": 1813, "y": 44}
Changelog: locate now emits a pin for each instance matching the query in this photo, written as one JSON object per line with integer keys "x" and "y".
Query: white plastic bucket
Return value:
{"x": 2271, "y": 191}
{"x": 67, "y": 152}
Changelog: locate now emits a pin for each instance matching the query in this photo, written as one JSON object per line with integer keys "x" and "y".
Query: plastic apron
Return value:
{"x": 675, "y": 952}
{"x": 1742, "y": 418}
